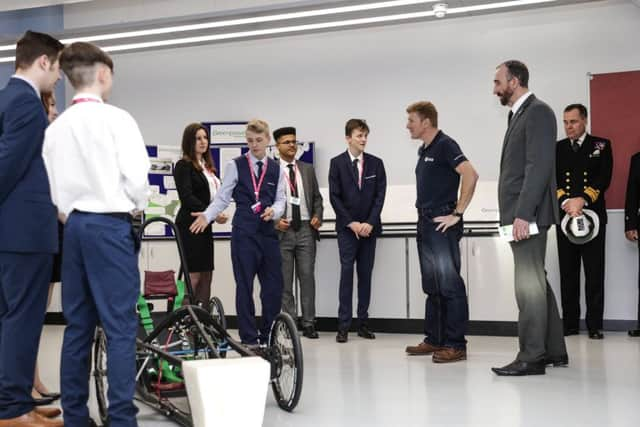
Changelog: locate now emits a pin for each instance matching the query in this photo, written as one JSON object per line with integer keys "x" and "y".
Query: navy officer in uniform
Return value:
{"x": 583, "y": 166}
{"x": 256, "y": 184}
{"x": 632, "y": 217}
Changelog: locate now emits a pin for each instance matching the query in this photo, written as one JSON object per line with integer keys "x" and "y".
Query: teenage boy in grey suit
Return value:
{"x": 298, "y": 230}
{"x": 527, "y": 195}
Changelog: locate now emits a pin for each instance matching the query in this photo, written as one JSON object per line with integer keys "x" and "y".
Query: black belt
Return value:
{"x": 438, "y": 211}
{"x": 125, "y": 216}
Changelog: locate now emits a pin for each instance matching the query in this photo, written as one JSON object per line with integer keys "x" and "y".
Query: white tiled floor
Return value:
{"x": 373, "y": 383}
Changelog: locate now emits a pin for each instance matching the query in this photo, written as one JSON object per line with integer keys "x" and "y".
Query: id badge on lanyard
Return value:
{"x": 256, "y": 208}
{"x": 292, "y": 199}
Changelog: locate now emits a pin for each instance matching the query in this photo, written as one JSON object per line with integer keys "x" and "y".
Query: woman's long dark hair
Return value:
{"x": 189, "y": 148}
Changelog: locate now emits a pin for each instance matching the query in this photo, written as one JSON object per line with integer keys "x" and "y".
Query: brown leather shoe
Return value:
{"x": 31, "y": 419}
{"x": 48, "y": 412}
{"x": 448, "y": 355}
{"x": 422, "y": 349}
{"x": 49, "y": 422}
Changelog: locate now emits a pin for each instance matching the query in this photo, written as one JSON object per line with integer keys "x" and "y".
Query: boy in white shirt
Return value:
{"x": 97, "y": 166}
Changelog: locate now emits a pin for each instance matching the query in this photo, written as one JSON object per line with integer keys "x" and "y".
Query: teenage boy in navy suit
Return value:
{"x": 357, "y": 187}
{"x": 28, "y": 227}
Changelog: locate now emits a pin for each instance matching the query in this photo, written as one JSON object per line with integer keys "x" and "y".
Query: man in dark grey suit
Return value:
{"x": 527, "y": 196}
{"x": 298, "y": 229}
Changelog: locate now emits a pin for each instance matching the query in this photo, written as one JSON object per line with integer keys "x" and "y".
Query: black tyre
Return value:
{"x": 217, "y": 311}
{"x": 286, "y": 352}
{"x": 100, "y": 373}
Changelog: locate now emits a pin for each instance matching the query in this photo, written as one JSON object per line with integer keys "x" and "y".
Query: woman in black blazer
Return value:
{"x": 197, "y": 184}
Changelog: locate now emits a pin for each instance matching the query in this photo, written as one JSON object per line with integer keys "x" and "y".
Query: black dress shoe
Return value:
{"x": 54, "y": 396}
{"x": 518, "y": 368}
{"x": 556, "y": 361}
{"x": 634, "y": 333}
{"x": 571, "y": 331}
{"x": 310, "y": 332}
{"x": 365, "y": 332}
{"x": 342, "y": 336}
{"x": 43, "y": 401}
{"x": 595, "y": 334}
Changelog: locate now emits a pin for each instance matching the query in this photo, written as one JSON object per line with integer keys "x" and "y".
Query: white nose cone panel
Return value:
{"x": 227, "y": 392}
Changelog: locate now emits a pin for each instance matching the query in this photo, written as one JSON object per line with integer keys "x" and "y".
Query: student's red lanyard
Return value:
{"x": 295, "y": 173}
{"x": 80, "y": 100}
{"x": 256, "y": 187}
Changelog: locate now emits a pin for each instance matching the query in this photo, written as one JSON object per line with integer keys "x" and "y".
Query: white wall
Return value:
{"x": 318, "y": 81}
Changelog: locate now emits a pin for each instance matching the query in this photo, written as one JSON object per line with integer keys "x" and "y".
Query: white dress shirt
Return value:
{"x": 96, "y": 159}
{"x": 579, "y": 140}
{"x": 229, "y": 181}
{"x": 212, "y": 180}
{"x": 304, "y": 211}
{"x": 516, "y": 105}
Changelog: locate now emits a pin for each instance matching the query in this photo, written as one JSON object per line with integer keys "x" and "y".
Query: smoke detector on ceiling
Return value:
{"x": 440, "y": 9}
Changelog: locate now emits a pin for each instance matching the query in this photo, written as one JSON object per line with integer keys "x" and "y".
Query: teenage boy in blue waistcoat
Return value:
{"x": 256, "y": 184}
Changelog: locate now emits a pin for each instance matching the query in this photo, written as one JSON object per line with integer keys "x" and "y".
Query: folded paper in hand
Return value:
{"x": 506, "y": 231}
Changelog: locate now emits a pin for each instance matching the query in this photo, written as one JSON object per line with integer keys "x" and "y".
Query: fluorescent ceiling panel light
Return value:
{"x": 294, "y": 28}
{"x": 242, "y": 21}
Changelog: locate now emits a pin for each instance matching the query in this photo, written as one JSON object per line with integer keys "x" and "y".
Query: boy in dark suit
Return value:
{"x": 28, "y": 226}
{"x": 298, "y": 230}
{"x": 357, "y": 187}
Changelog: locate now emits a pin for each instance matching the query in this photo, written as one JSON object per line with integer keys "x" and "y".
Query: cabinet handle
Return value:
{"x": 473, "y": 249}
{"x": 151, "y": 252}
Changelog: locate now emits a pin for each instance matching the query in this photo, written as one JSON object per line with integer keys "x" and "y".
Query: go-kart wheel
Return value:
{"x": 286, "y": 352}
{"x": 100, "y": 373}
{"x": 217, "y": 311}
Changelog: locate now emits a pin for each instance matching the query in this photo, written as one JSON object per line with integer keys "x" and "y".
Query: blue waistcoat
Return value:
{"x": 244, "y": 196}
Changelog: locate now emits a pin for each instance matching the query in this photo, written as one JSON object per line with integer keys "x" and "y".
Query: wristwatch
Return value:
{"x": 456, "y": 213}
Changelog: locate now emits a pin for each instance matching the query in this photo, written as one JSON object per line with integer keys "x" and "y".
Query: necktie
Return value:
{"x": 295, "y": 209}
{"x": 356, "y": 172}
{"x": 509, "y": 118}
{"x": 575, "y": 146}
{"x": 259, "y": 164}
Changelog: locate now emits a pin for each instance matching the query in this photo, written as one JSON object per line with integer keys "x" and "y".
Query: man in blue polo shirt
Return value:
{"x": 440, "y": 166}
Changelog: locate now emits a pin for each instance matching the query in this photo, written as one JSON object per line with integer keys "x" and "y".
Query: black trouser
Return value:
{"x": 638, "y": 283}
{"x": 592, "y": 256}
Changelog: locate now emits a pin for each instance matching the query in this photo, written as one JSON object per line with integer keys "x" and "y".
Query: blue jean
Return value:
{"x": 446, "y": 308}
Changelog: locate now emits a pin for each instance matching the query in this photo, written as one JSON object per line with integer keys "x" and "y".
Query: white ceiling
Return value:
{"x": 6, "y": 5}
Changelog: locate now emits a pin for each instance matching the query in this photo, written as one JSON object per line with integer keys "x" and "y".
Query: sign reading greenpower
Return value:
{"x": 228, "y": 133}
